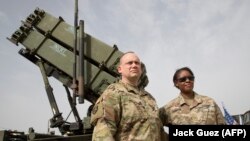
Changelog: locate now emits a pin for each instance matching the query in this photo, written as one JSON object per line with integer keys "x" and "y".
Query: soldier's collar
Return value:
{"x": 196, "y": 98}
{"x": 130, "y": 88}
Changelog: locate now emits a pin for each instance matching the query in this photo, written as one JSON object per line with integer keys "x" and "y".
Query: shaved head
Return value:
{"x": 130, "y": 68}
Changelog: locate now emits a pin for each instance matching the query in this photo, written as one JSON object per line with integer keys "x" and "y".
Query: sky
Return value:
{"x": 211, "y": 37}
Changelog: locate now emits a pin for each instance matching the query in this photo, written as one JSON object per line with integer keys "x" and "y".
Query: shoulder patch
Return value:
{"x": 94, "y": 110}
{"x": 97, "y": 112}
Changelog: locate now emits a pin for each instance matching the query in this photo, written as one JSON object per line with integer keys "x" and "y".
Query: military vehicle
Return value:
{"x": 83, "y": 64}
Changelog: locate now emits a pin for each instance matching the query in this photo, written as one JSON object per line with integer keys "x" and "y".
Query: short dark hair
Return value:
{"x": 177, "y": 72}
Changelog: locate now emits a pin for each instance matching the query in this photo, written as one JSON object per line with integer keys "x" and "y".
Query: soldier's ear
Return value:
{"x": 119, "y": 69}
{"x": 176, "y": 84}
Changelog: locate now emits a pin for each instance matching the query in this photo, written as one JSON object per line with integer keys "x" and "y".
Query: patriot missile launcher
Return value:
{"x": 82, "y": 63}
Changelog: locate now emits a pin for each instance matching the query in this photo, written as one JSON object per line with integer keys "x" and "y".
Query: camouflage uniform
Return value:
{"x": 124, "y": 113}
{"x": 204, "y": 111}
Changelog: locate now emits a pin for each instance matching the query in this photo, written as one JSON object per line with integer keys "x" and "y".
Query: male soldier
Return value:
{"x": 125, "y": 112}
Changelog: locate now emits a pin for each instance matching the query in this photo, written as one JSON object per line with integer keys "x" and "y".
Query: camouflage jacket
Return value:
{"x": 204, "y": 111}
{"x": 124, "y": 113}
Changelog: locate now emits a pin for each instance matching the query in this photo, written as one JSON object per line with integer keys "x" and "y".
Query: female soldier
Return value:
{"x": 190, "y": 107}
